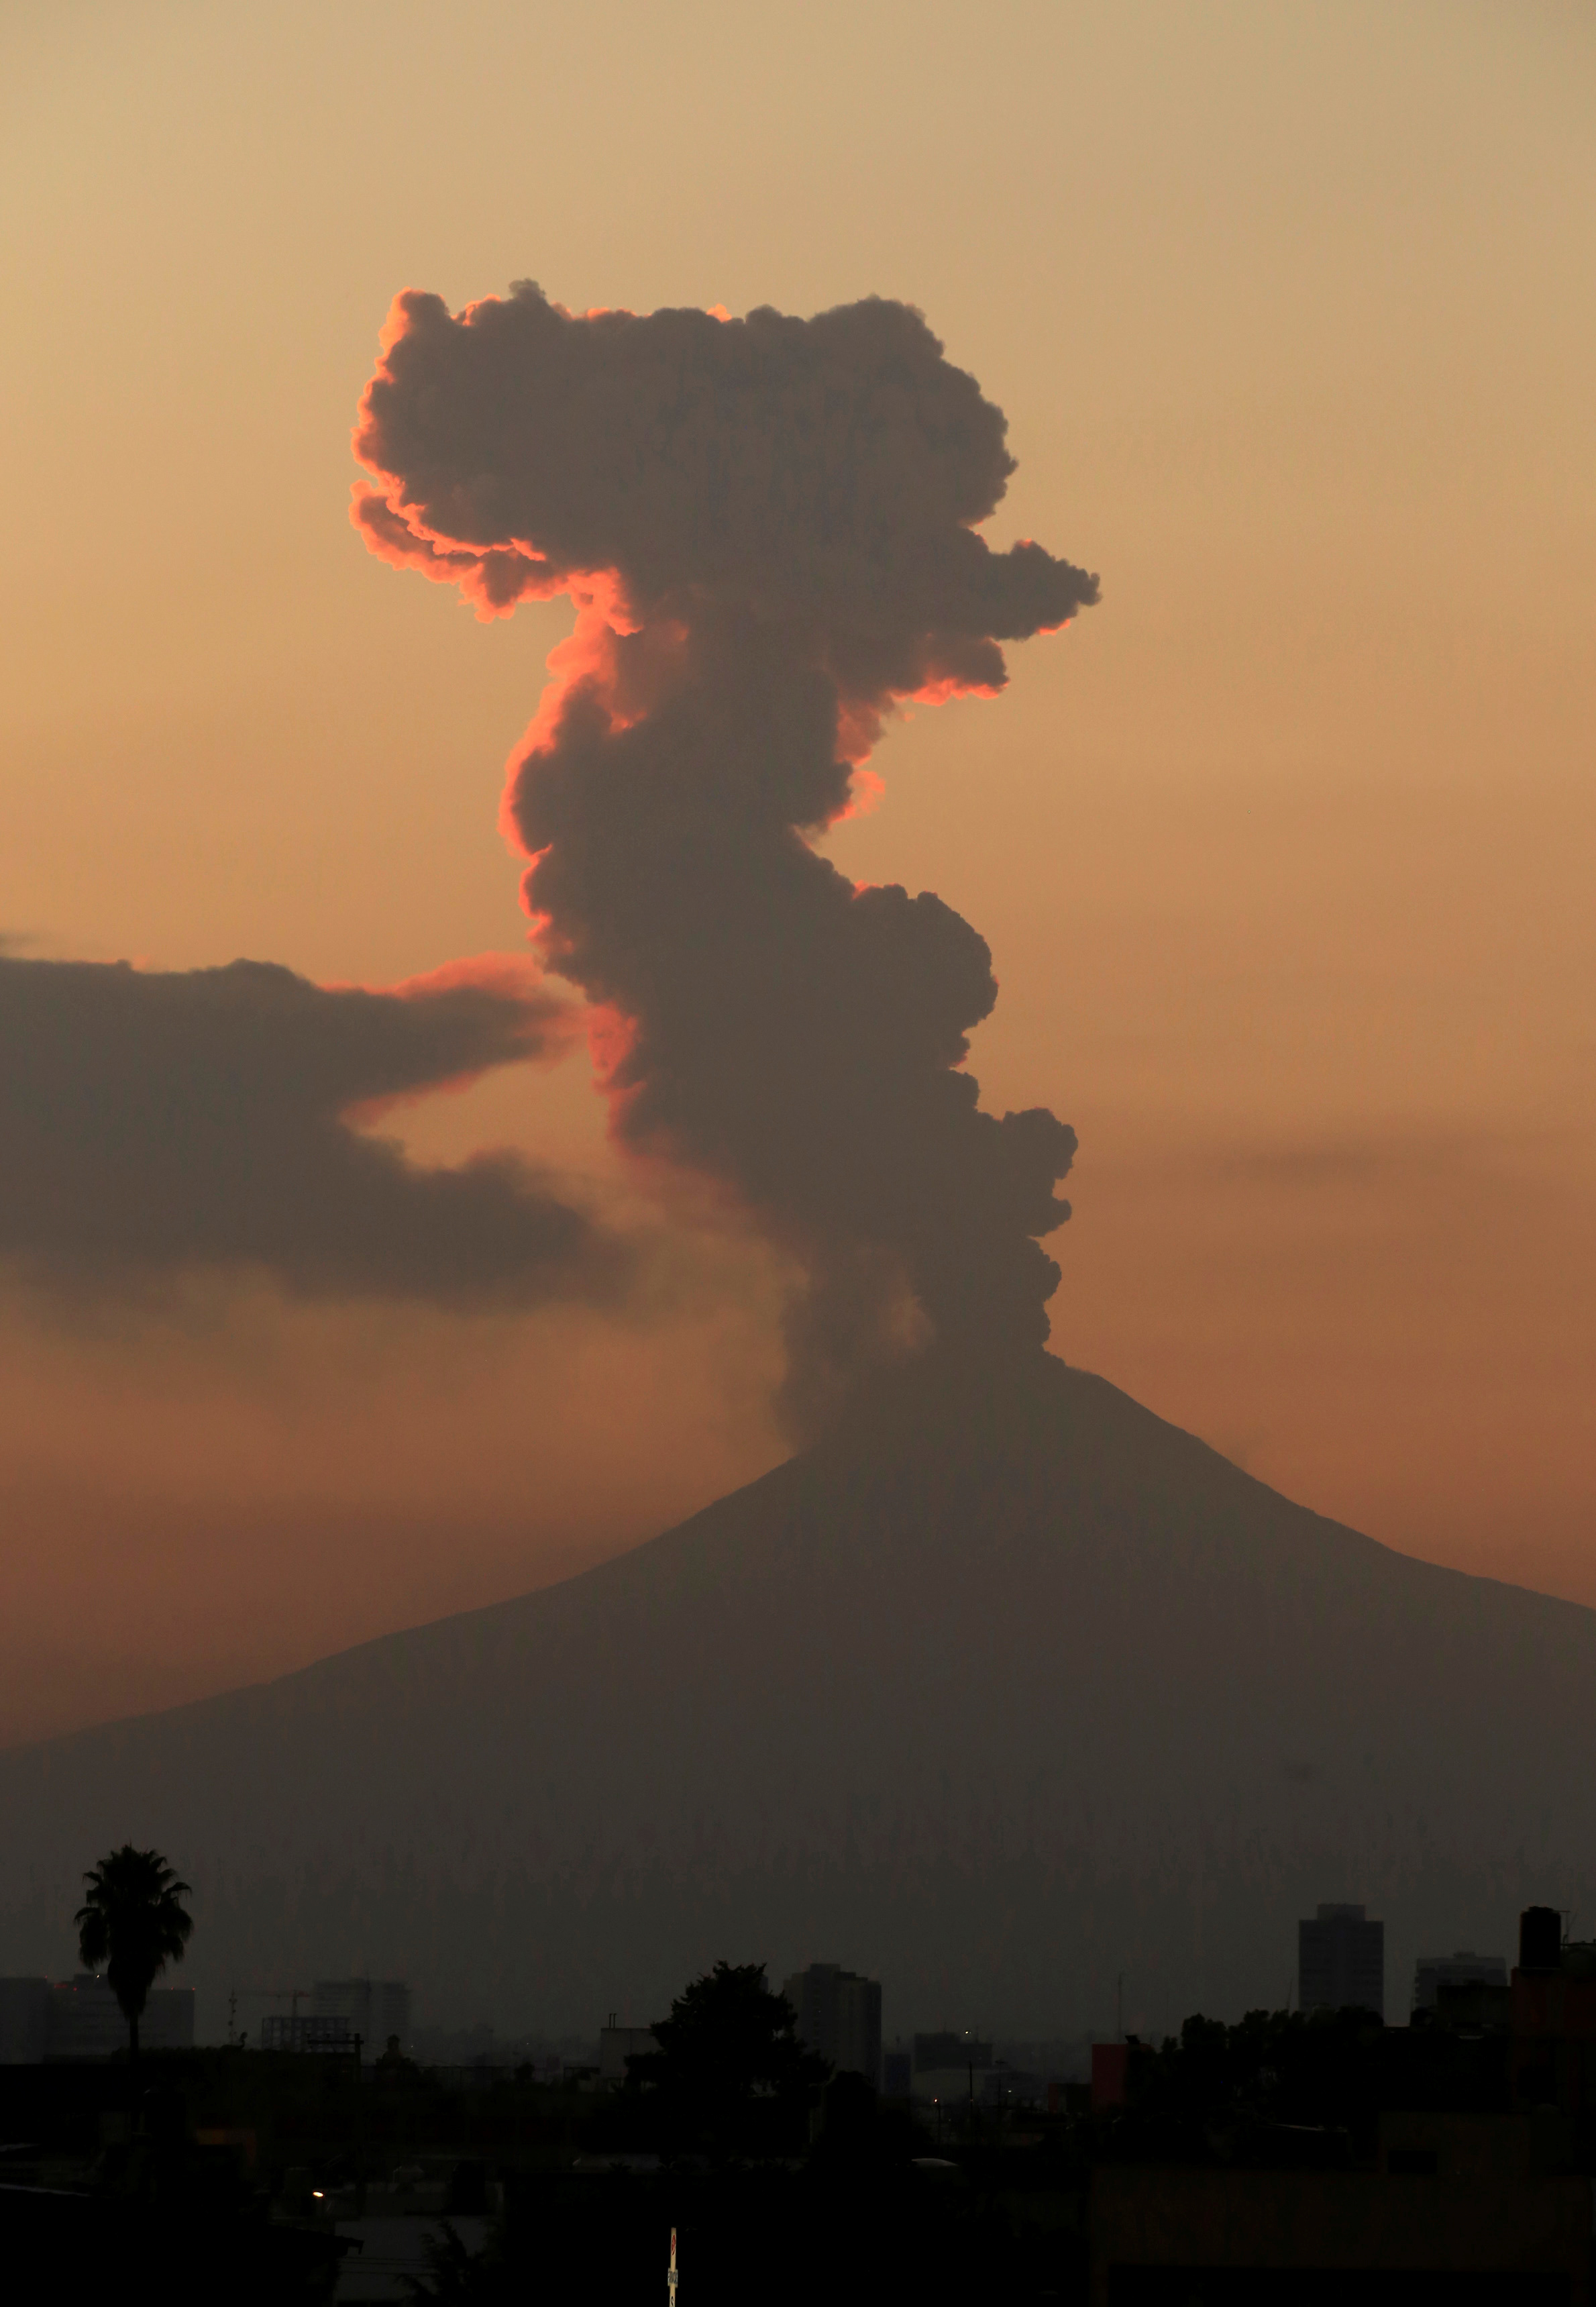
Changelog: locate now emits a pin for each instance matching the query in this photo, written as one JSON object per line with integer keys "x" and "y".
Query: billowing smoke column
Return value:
{"x": 767, "y": 527}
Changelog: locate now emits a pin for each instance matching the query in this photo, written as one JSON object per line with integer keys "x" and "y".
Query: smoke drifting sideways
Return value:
{"x": 768, "y": 529}
{"x": 155, "y": 1126}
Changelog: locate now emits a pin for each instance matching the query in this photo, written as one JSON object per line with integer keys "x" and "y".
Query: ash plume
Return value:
{"x": 768, "y": 529}
{"x": 167, "y": 1122}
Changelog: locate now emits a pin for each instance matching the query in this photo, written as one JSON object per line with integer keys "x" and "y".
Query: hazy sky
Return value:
{"x": 1283, "y": 852}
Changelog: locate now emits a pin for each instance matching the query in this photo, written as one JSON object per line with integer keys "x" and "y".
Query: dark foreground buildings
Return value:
{"x": 1456, "y": 2211}
{"x": 1301, "y": 2159}
{"x": 1324, "y": 2159}
{"x": 1453, "y": 2210}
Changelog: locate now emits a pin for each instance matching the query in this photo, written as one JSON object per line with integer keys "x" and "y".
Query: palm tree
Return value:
{"x": 133, "y": 1923}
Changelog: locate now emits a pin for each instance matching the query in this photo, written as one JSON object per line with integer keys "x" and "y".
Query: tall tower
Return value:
{"x": 1341, "y": 1961}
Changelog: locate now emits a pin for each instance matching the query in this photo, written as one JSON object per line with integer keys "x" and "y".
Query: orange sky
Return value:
{"x": 1284, "y": 853}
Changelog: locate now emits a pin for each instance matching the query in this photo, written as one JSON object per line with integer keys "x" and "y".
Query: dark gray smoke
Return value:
{"x": 768, "y": 527}
{"x": 152, "y": 1124}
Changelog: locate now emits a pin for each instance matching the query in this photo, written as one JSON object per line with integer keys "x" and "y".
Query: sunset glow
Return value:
{"x": 1283, "y": 857}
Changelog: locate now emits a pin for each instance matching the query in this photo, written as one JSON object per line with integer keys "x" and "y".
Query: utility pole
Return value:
{"x": 670, "y": 2278}
{"x": 360, "y": 2139}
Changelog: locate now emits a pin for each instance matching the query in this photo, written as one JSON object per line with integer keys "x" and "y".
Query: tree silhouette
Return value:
{"x": 729, "y": 2072}
{"x": 132, "y": 1922}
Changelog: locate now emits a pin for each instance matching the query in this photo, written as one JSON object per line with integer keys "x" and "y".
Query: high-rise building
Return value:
{"x": 1431, "y": 1972}
{"x": 81, "y": 2019}
{"x": 1341, "y": 1961}
{"x": 839, "y": 2016}
{"x": 24, "y": 2020}
{"x": 371, "y": 2008}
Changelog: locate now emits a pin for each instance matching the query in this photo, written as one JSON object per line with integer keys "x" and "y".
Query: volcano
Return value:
{"x": 1004, "y": 1690}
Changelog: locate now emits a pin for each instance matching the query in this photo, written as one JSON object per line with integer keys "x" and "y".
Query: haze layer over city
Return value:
{"x": 482, "y": 1089}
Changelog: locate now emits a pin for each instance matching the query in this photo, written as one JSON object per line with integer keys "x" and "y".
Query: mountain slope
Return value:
{"x": 1004, "y": 1689}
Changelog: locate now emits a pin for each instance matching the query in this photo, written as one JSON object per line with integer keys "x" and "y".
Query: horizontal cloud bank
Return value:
{"x": 157, "y": 1122}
